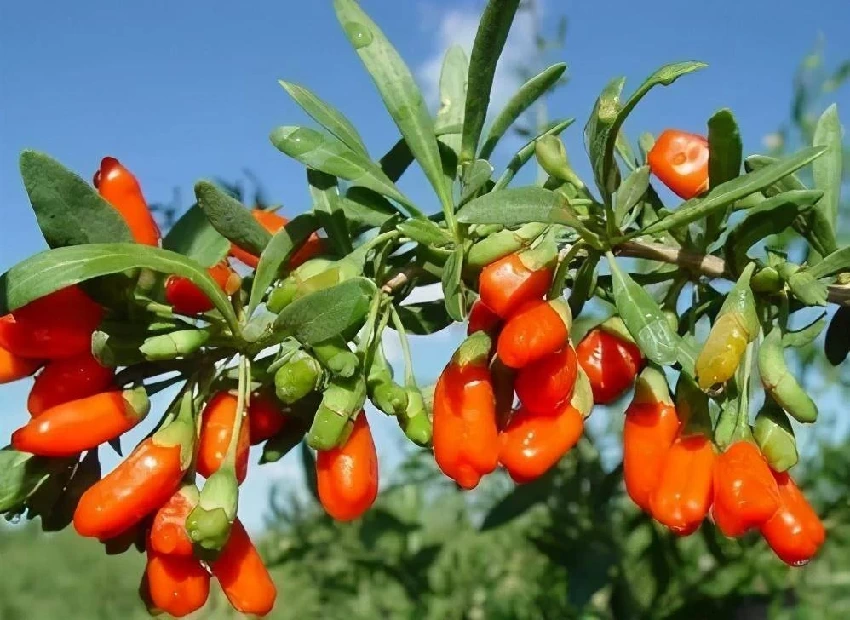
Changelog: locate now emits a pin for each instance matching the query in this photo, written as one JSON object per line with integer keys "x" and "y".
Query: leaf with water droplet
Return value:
{"x": 331, "y": 156}
{"x": 449, "y": 122}
{"x": 398, "y": 90}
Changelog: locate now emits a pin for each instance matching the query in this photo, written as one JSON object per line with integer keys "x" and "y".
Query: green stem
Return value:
{"x": 243, "y": 399}
{"x": 742, "y": 430}
{"x": 409, "y": 376}
{"x": 369, "y": 326}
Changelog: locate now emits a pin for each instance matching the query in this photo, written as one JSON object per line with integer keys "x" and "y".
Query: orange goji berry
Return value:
{"x": 680, "y": 161}
{"x": 650, "y": 427}
{"x": 532, "y": 442}
{"x": 217, "y": 423}
{"x": 13, "y": 367}
{"x": 543, "y": 386}
{"x": 611, "y": 364}
{"x": 482, "y": 319}
{"x": 65, "y": 380}
{"x": 83, "y": 424}
{"x": 533, "y": 332}
{"x": 745, "y": 492}
{"x": 177, "y": 585}
{"x": 348, "y": 475}
{"x": 186, "y": 298}
{"x": 682, "y": 498}
{"x": 506, "y": 284}
{"x": 168, "y": 533}
{"x": 121, "y": 189}
{"x": 794, "y": 532}
{"x": 243, "y": 576}
{"x": 465, "y": 439}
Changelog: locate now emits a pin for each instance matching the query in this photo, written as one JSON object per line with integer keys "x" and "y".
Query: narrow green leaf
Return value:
{"x": 397, "y": 160}
{"x": 51, "y": 270}
{"x": 608, "y": 117}
{"x": 523, "y": 99}
{"x": 329, "y": 155}
{"x": 725, "y": 148}
{"x": 643, "y": 318}
{"x": 834, "y": 263}
{"x": 583, "y": 284}
{"x": 324, "y": 191}
{"x": 489, "y": 42}
{"x": 630, "y": 192}
{"x": 827, "y": 169}
{"x": 770, "y": 217}
{"x": 805, "y": 335}
{"x": 836, "y": 346}
{"x": 293, "y": 432}
{"x": 194, "y": 237}
{"x": 327, "y": 116}
{"x": 21, "y": 474}
{"x": 624, "y": 150}
{"x": 308, "y": 465}
{"x": 424, "y": 318}
{"x": 69, "y": 210}
{"x": 277, "y": 253}
{"x": 453, "y": 293}
{"x": 475, "y": 175}
{"x": 725, "y": 194}
{"x": 449, "y": 122}
{"x": 230, "y": 218}
{"x": 398, "y": 89}
{"x": 327, "y": 313}
{"x": 366, "y": 208}
{"x": 425, "y": 232}
{"x": 527, "y": 151}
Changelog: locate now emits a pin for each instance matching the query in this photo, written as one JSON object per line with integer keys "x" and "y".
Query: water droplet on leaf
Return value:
{"x": 299, "y": 141}
{"x": 358, "y": 34}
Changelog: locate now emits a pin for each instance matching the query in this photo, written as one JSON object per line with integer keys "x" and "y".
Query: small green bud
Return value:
{"x": 209, "y": 523}
{"x": 299, "y": 376}
{"x": 283, "y": 295}
{"x": 342, "y": 400}
{"x": 415, "y": 422}
{"x": 775, "y": 437}
{"x": 176, "y": 344}
{"x": 335, "y": 355}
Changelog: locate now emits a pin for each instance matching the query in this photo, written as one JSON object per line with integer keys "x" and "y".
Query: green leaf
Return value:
{"x": 643, "y": 318}
{"x": 327, "y": 313}
{"x": 834, "y": 263}
{"x": 449, "y": 122}
{"x": 630, "y": 192}
{"x": 425, "y": 232}
{"x": 21, "y": 474}
{"x": 770, "y": 217}
{"x": 513, "y": 206}
{"x": 399, "y": 91}
{"x": 608, "y": 117}
{"x": 69, "y": 210}
{"x": 194, "y": 237}
{"x": 475, "y": 175}
{"x": 308, "y": 465}
{"x": 324, "y": 191}
{"x": 523, "y": 99}
{"x": 527, "y": 151}
{"x": 807, "y": 289}
{"x": 51, "y": 270}
{"x": 396, "y": 160}
{"x": 489, "y": 42}
{"x": 836, "y": 346}
{"x": 292, "y": 434}
{"x": 424, "y": 318}
{"x": 277, "y": 253}
{"x": 805, "y": 335}
{"x": 584, "y": 284}
{"x": 327, "y": 116}
{"x": 725, "y": 194}
{"x": 366, "y": 208}
{"x": 453, "y": 290}
{"x": 725, "y": 148}
{"x": 827, "y": 169}
{"x": 230, "y": 218}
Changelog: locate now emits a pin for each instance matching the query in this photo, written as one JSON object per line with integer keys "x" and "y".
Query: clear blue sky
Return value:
{"x": 185, "y": 90}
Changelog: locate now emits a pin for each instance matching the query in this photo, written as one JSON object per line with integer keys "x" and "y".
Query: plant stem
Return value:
{"x": 409, "y": 376}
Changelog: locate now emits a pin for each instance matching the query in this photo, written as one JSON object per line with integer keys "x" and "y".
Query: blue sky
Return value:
{"x": 185, "y": 90}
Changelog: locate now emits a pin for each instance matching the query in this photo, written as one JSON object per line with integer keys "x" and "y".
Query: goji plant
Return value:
{"x": 290, "y": 353}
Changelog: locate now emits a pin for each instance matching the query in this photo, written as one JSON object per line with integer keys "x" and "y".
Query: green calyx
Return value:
{"x": 766, "y": 280}
{"x": 617, "y": 328}
{"x": 335, "y": 355}
{"x": 180, "y": 431}
{"x": 500, "y": 244}
{"x": 137, "y": 404}
{"x": 342, "y": 401}
{"x": 176, "y": 344}
{"x": 210, "y": 521}
{"x": 563, "y": 309}
{"x": 299, "y": 376}
{"x": 775, "y": 437}
{"x": 388, "y": 396}
{"x": 582, "y": 400}
{"x": 741, "y": 301}
{"x": 651, "y": 388}
{"x": 780, "y": 383}
{"x": 475, "y": 350}
{"x": 543, "y": 255}
{"x": 552, "y": 157}
{"x": 692, "y": 407}
{"x": 415, "y": 421}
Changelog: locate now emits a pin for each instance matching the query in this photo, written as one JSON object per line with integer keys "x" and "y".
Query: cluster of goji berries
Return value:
{"x": 151, "y": 497}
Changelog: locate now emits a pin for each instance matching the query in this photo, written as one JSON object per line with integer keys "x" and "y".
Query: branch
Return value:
{"x": 705, "y": 264}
